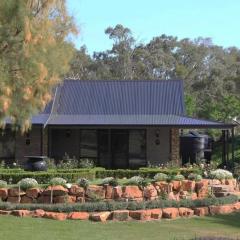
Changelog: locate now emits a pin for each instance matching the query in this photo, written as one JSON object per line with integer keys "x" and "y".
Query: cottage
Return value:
{"x": 119, "y": 124}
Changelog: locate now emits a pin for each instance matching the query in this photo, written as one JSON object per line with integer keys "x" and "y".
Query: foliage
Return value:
{"x": 33, "y": 44}
{"x": 27, "y": 183}
{"x": 3, "y": 184}
{"x": 83, "y": 182}
{"x": 135, "y": 180}
{"x": 45, "y": 177}
{"x": 178, "y": 177}
{"x": 221, "y": 174}
{"x": 210, "y": 73}
{"x": 195, "y": 177}
{"x": 86, "y": 163}
{"x": 160, "y": 177}
{"x": 116, "y": 205}
{"x": 58, "y": 181}
{"x": 109, "y": 181}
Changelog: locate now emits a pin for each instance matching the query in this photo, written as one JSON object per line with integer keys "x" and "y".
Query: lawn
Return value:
{"x": 12, "y": 228}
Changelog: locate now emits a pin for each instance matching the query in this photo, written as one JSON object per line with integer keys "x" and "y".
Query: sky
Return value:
{"x": 217, "y": 19}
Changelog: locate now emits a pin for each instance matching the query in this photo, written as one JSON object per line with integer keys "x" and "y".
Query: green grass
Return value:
{"x": 12, "y": 228}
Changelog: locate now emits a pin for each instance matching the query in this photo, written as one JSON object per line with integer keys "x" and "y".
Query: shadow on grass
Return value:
{"x": 232, "y": 220}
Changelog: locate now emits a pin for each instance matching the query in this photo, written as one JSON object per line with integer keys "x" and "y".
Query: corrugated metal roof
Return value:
{"x": 138, "y": 120}
{"x": 121, "y": 97}
{"x": 106, "y": 103}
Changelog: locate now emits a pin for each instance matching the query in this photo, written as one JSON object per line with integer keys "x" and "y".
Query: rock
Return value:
{"x": 108, "y": 192}
{"x": 177, "y": 185}
{"x": 100, "y": 216}
{"x": 55, "y": 216}
{"x": 78, "y": 216}
{"x": 38, "y": 213}
{"x": 14, "y": 192}
{"x": 201, "y": 211}
{"x": 57, "y": 191}
{"x": 26, "y": 199}
{"x": 3, "y": 193}
{"x": 232, "y": 182}
{"x": 64, "y": 199}
{"x": 80, "y": 200}
{"x": 13, "y": 199}
{"x": 185, "y": 212}
{"x": 76, "y": 191}
{"x": 150, "y": 192}
{"x": 95, "y": 192}
{"x": 202, "y": 188}
{"x": 4, "y": 212}
{"x": 224, "y": 209}
{"x": 33, "y": 192}
{"x": 214, "y": 182}
{"x": 155, "y": 213}
{"x": 44, "y": 199}
{"x": 188, "y": 185}
{"x": 163, "y": 186}
{"x": 117, "y": 192}
{"x": 193, "y": 196}
{"x": 120, "y": 215}
{"x": 140, "y": 215}
{"x": 21, "y": 213}
{"x": 132, "y": 193}
{"x": 172, "y": 196}
{"x": 170, "y": 213}
{"x": 236, "y": 206}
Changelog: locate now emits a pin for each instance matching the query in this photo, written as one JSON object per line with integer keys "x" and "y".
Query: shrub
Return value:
{"x": 178, "y": 177}
{"x": 67, "y": 162}
{"x": 160, "y": 177}
{"x": 83, "y": 182}
{"x": 221, "y": 174}
{"x": 136, "y": 180}
{"x": 3, "y": 184}
{"x": 58, "y": 181}
{"x": 195, "y": 177}
{"x": 86, "y": 163}
{"x": 27, "y": 183}
{"x": 110, "y": 181}
{"x": 115, "y": 205}
{"x": 50, "y": 163}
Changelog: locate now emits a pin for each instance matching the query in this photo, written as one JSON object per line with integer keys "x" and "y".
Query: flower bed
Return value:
{"x": 135, "y": 189}
{"x": 107, "y": 211}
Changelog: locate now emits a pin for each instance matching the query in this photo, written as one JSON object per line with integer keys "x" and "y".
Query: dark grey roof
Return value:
{"x": 109, "y": 103}
{"x": 121, "y": 97}
{"x": 131, "y": 120}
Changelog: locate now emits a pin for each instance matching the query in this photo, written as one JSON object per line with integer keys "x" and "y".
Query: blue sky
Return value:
{"x": 218, "y": 19}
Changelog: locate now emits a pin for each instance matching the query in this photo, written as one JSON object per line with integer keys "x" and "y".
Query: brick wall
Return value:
{"x": 28, "y": 144}
{"x": 175, "y": 146}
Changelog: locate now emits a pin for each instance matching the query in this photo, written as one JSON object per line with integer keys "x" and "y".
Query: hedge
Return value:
{"x": 145, "y": 172}
{"x": 71, "y": 175}
{"x": 45, "y": 177}
{"x": 114, "y": 205}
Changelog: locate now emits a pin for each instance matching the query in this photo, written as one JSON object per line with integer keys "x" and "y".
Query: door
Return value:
{"x": 119, "y": 148}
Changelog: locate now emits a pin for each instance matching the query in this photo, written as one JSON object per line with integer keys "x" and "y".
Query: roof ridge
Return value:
{"x": 124, "y": 80}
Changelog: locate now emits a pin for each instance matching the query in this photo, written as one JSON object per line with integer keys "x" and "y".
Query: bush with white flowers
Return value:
{"x": 27, "y": 183}
{"x": 221, "y": 174}
{"x": 58, "y": 181}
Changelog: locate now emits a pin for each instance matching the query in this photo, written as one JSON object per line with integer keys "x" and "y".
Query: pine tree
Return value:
{"x": 34, "y": 54}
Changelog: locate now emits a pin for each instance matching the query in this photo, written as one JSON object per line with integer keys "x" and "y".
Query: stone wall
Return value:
{"x": 175, "y": 190}
{"x": 158, "y": 145}
{"x": 175, "y": 146}
{"x": 28, "y": 144}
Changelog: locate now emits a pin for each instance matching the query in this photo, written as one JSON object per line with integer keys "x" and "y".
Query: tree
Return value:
{"x": 34, "y": 54}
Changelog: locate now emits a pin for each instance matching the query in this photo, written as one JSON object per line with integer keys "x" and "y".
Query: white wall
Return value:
{"x": 158, "y": 154}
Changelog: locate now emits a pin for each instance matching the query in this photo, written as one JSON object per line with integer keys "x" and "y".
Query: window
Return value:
{"x": 88, "y": 144}
{"x": 7, "y": 144}
{"x": 137, "y": 148}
